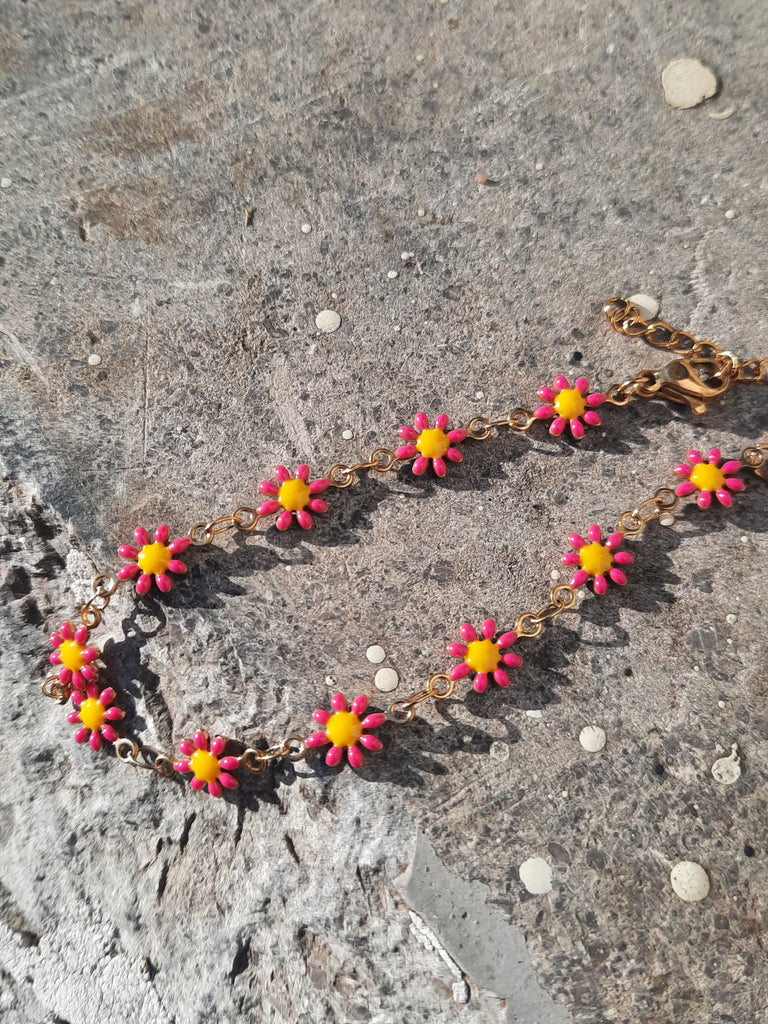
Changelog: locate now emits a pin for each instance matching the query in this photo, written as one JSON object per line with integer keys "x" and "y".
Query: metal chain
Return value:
{"x": 244, "y": 519}
{"x": 381, "y": 461}
{"x": 561, "y": 599}
{"x": 129, "y": 752}
{"x": 104, "y": 586}
{"x": 256, "y": 759}
{"x": 439, "y": 687}
{"x": 633, "y": 523}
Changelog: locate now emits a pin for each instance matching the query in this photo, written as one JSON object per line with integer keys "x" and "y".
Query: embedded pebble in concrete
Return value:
{"x": 536, "y": 876}
{"x": 347, "y": 435}
{"x": 94, "y": 359}
{"x": 687, "y": 83}
{"x": 392, "y": 274}
{"x": 386, "y": 679}
{"x": 689, "y": 880}
{"x": 730, "y": 214}
{"x": 592, "y": 738}
{"x": 721, "y": 115}
{"x": 647, "y": 305}
{"x": 328, "y": 321}
{"x": 376, "y": 654}
{"x": 727, "y": 769}
{"x": 306, "y": 228}
{"x": 5, "y": 182}
{"x": 534, "y": 713}
{"x": 499, "y": 750}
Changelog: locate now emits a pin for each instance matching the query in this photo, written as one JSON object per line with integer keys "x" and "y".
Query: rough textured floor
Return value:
{"x": 524, "y": 159}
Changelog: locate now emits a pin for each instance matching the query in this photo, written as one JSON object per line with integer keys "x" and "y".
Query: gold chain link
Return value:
{"x": 104, "y": 586}
{"x": 561, "y": 599}
{"x": 129, "y": 752}
{"x": 439, "y": 687}
{"x": 243, "y": 519}
{"x": 256, "y": 759}
{"x": 633, "y": 523}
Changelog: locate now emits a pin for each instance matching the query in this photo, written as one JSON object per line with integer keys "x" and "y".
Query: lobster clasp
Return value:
{"x": 695, "y": 382}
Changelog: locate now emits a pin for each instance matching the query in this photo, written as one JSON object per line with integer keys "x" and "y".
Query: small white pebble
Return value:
{"x": 554, "y": 575}
{"x": 539, "y": 167}
{"x": 689, "y": 880}
{"x": 535, "y": 713}
{"x": 745, "y": 540}
{"x": 376, "y": 654}
{"x": 667, "y": 520}
{"x": 396, "y": 328}
{"x": 479, "y": 394}
{"x": 592, "y": 738}
{"x": 421, "y": 212}
{"x": 306, "y": 228}
{"x": 730, "y": 618}
{"x": 729, "y": 640}
{"x": 609, "y": 49}
{"x": 730, "y": 214}
{"x": 647, "y": 305}
{"x": 687, "y": 82}
{"x": 347, "y": 435}
{"x": 328, "y": 321}
{"x": 419, "y": 57}
{"x": 405, "y": 256}
{"x": 94, "y": 359}
{"x": 721, "y": 115}
{"x": 386, "y": 679}
{"x": 721, "y": 703}
{"x": 392, "y": 274}
{"x": 330, "y": 681}
{"x": 499, "y": 750}
{"x": 728, "y": 769}
{"x": 5, "y": 182}
{"x": 536, "y": 876}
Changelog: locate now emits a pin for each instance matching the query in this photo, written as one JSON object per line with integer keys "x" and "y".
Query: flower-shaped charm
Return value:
{"x": 94, "y": 715}
{"x": 202, "y": 757}
{"x": 155, "y": 558}
{"x": 74, "y": 657}
{"x": 569, "y": 405}
{"x": 709, "y": 478}
{"x": 431, "y": 444}
{"x": 294, "y": 495}
{"x": 344, "y": 730}
{"x": 596, "y": 559}
{"x": 484, "y": 656}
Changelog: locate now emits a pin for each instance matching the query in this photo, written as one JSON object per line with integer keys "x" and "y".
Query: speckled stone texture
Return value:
{"x": 134, "y": 139}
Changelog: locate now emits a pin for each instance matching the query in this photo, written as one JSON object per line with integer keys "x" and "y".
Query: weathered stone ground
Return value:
{"x": 134, "y": 138}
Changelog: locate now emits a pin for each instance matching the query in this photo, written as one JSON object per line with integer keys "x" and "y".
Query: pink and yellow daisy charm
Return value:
{"x": 708, "y": 478}
{"x": 73, "y": 656}
{"x": 294, "y": 495}
{"x": 430, "y": 444}
{"x": 482, "y": 655}
{"x": 154, "y": 558}
{"x": 94, "y": 714}
{"x": 343, "y": 729}
{"x": 202, "y": 757}
{"x": 569, "y": 406}
{"x": 596, "y": 559}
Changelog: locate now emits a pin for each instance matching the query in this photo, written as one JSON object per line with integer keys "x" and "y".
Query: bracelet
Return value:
{"x": 701, "y": 374}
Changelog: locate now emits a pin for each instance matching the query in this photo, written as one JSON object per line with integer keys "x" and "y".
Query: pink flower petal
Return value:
{"x": 304, "y": 519}
{"x": 196, "y": 784}
{"x": 577, "y": 428}
{"x": 113, "y": 714}
{"x": 441, "y": 422}
{"x": 141, "y": 536}
{"x": 374, "y": 721}
{"x": 580, "y": 578}
{"x": 558, "y": 426}
{"x": 694, "y": 457}
{"x": 321, "y": 716}
{"x": 228, "y": 781}
{"x": 214, "y": 788}
{"x": 512, "y": 660}
{"x": 592, "y": 418}
{"x": 734, "y": 484}
{"x": 78, "y": 698}
{"x": 420, "y": 421}
{"x": 82, "y": 735}
{"x": 623, "y": 558}
{"x": 459, "y": 671}
{"x": 457, "y": 436}
{"x": 481, "y": 683}
{"x": 143, "y": 583}
{"x": 230, "y": 763}
{"x": 406, "y": 451}
{"x": 704, "y": 500}
{"x": 333, "y": 756}
{"x": 87, "y": 672}
{"x": 200, "y": 740}
{"x": 488, "y": 629}
{"x": 318, "y": 505}
{"x": 179, "y": 546}
{"x": 66, "y": 631}
{"x": 454, "y": 455}
{"x": 614, "y": 540}
{"x": 724, "y": 498}
{"x": 92, "y": 691}
{"x": 408, "y": 434}
{"x": 302, "y": 472}
{"x": 177, "y": 566}
{"x": 162, "y": 533}
{"x": 501, "y": 677}
{"x": 506, "y": 639}
{"x": 595, "y": 534}
{"x": 95, "y": 741}
{"x": 457, "y": 650}
{"x": 106, "y": 696}
{"x": 108, "y": 733}
{"x": 338, "y": 702}
{"x": 546, "y": 394}
{"x": 128, "y": 551}
{"x": 359, "y": 705}
{"x": 732, "y": 466}
{"x": 581, "y": 385}
{"x": 593, "y": 401}
{"x": 371, "y": 742}
{"x": 561, "y": 383}
{"x": 164, "y": 582}
{"x": 281, "y": 474}
{"x": 713, "y": 456}
{"x": 420, "y": 466}
{"x": 576, "y": 540}
{"x": 269, "y": 487}
{"x": 544, "y": 412}
{"x": 187, "y": 748}
{"x": 218, "y": 745}
{"x": 600, "y": 585}
{"x": 268, "y": 508}
{"x": 683, "y": 489}
{"x": 73, "y": 717}
{"x": 570, "y": 558}
{"x": 355, "y": 757}
{"x": 317, "y": 739}
{"x": 284, "y": 520}
{"x": 182, "y": 766}
{"x": 55, "y": 658}
{"x": 81, "y": 635}
{"x": 56, "y": 640}
{"x": 127, "y": 572}
{"x": 683, "y": 470}
{"x": 467, "y": 632}
{"x": 617, "y": 576}
{"x": 439, "y": 466}
{"x": 318, "y": 486}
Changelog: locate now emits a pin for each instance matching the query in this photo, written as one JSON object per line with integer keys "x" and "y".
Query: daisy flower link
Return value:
{"x": 482, "y": 655}
{"x": 93, "y": 712}
{"x": 430, "y": 444}
{"x": 343, "y": 729}
{"x": 294, "y": 495}
{"x": 596, "y": 559}
{"x": 569, "y": 406}
{"x": 708, "y": 478}
{"x": 154, "y": 557}
{"x": 73, "y": 657}
{"x": 202, "y": 757}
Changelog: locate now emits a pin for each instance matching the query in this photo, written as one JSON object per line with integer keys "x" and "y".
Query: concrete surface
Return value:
{"x": 134, "y": 139}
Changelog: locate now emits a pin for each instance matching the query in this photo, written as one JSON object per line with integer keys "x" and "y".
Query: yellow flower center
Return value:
{"x": 570, "y": 403}
{"x": 433, "y": 443}
{"x": 294, "y": 495}
{"x": 71, "y": 655}
{"x": 154, "y": 559}
{"x": 344, "y": 729}
{"x": 595, "y": 559}
{"x": 92, "y": 713}
{"x": 707, "y": 478}
{"x": 482, "y": 656}
{"x": 205, "y": 766}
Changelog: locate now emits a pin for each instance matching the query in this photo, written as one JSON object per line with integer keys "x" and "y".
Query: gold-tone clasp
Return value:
{"x": 692, "y": 382}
